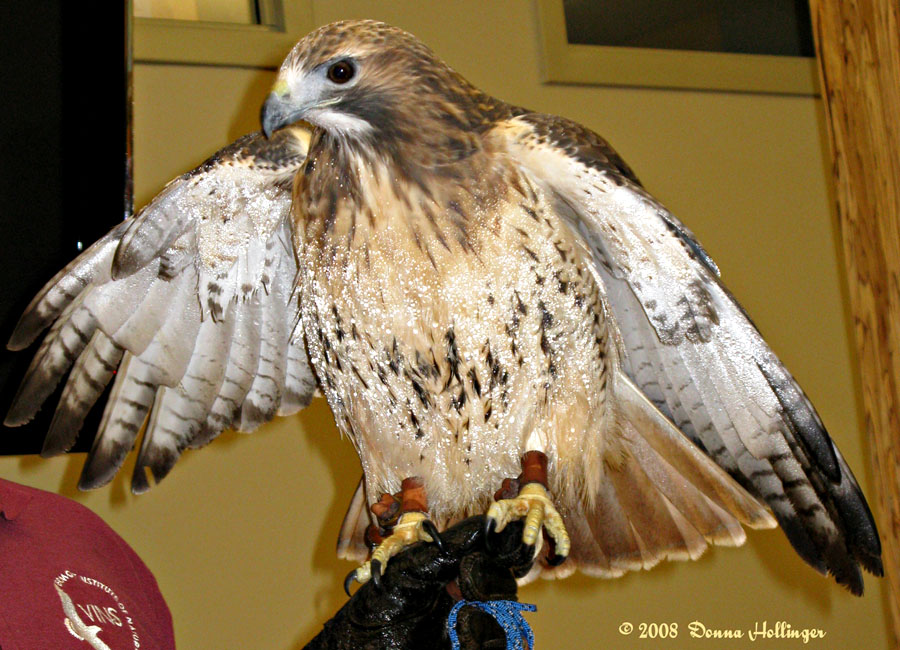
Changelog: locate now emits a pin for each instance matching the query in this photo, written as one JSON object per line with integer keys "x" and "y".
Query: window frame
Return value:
{"x": 564, "y": 62}
{"x": 159, "y": 40}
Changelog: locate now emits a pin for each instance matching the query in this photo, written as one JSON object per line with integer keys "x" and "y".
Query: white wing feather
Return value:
{"x": 189, "y": 306}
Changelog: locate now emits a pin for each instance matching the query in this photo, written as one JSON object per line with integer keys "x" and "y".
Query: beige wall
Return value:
{"x": 241, "y": 535}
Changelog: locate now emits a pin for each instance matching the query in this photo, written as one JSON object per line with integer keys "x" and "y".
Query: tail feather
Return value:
{"x": 660, "y": 498}
{"x": 351, "y": 544}
{"x": 655, "y": 532}
{"x": 653, "y": 429}
{"x": 610, "y": 528}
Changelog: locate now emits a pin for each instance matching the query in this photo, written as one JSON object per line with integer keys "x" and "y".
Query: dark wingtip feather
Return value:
{"x": 101, "y": 467}
{"x": 38, "y": 315}
{"x": 206, "y": 434}
{"x": 850, "y": 577}
{"x": 253, "y": 416}
{"x": 158, "y": 460}
{"x": 845, "y": 568}
{"x": 862, "y": 532}
{"x": 62, "y": 289}
{"x": 860, "y": 544}
{"x": 32, "y": 392}
{"x": 802, "y": 417}
{"x": 139, "y": 481}
{"x": 836, "y": 560}
{"x": 17, "y": 415}
{"x": 62, "y": 434}
{"x": 799, "y": 539}
{"x": 872, "y": 564}
{"x": 26, "y": 331}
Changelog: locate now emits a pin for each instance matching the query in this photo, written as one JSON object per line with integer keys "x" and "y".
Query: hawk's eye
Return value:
{"x": 341, "y": 72}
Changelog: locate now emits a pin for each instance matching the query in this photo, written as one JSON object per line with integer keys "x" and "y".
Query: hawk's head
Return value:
{"x": 367, "y": 81}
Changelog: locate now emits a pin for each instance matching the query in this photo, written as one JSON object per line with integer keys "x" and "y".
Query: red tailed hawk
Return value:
{"x": 470, "y": 284}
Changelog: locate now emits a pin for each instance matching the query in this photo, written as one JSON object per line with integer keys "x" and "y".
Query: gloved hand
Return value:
{"x": 421, "y": 585}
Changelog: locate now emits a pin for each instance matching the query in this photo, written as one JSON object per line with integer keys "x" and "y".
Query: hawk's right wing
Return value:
{"x": 691, "y": 356}
{"x": 189, "y": 305}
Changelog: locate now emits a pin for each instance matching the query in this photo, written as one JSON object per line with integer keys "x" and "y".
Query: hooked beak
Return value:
{"x": 278, "y": 110}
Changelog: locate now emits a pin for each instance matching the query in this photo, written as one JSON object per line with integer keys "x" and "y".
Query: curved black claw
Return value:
{"x": 490, "y": 525}
{"x": 532, "y": 550}
{"x": 349, "y": 580}
{"x": 375, "y": 569}
{"x": 429, "y": 527}
{"x": 555, "y": 560}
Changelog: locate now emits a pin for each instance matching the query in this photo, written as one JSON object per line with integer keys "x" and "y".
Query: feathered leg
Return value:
{"x": 412, "y": 525}
{"x": 532, "y": 503}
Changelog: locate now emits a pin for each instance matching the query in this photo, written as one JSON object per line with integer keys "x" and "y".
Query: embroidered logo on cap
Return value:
{"x": 92, "y": 609}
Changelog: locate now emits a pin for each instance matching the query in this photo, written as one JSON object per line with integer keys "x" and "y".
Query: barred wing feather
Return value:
{"x": 189, "y": 308}
{"x": 695, "y": 355}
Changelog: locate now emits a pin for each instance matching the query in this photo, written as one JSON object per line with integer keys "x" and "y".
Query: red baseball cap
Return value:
{"x": 69, "y": 581}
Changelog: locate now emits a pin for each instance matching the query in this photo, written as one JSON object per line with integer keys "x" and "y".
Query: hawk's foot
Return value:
{"x": 533, "y": 504}
{"x": 413, "y": 525}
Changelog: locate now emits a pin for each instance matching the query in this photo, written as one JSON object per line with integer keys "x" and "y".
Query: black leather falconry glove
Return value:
{"x": 421, "y": 585}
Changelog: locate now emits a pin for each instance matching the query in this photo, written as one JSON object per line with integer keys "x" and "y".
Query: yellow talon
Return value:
{"x": 412, "y": 527}
{"x": 408, "y": 531}
{"x": 535, "y": 505}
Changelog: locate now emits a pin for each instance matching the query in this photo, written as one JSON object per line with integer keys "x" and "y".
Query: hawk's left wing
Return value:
{"x": 691, "y": 349}
{"x": 189, "y": 308}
